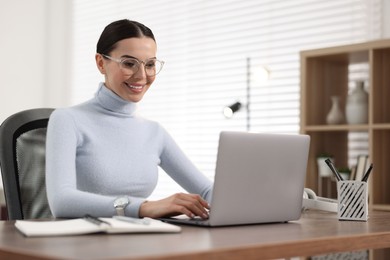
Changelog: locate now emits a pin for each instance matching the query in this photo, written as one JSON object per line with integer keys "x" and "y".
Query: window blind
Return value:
{"x": 206, "y": 45}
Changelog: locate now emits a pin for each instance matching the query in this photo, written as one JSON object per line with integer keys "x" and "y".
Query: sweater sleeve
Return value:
{"x": 178, "y": 166}
{"x": 65, "y": 199}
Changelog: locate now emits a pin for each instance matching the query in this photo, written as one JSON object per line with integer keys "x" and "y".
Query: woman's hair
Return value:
{"x": 119, "y": 30}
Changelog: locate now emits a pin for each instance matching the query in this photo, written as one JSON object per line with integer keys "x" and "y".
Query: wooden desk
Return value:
{"x": 315, "y": 233}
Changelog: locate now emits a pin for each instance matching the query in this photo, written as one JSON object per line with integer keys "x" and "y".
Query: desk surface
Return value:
{"x": 315, "y": 233}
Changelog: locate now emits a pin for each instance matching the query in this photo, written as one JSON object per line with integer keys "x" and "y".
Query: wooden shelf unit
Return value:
{"x": 325, "y": 73}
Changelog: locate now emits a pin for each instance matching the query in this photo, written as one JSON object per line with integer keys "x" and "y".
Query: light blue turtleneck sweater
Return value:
{"x": 101, "y": 149}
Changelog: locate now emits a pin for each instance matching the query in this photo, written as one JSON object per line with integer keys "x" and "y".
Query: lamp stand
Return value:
{"x": 248, "y": 88}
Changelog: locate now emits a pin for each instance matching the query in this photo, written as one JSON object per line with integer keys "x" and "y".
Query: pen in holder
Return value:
{"x": 352, "y": 199}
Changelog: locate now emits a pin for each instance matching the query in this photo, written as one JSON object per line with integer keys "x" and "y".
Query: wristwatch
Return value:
{"x": 120, "y": 204}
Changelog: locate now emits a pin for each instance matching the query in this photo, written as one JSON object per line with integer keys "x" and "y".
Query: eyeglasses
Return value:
{"x": 130, "y": 66}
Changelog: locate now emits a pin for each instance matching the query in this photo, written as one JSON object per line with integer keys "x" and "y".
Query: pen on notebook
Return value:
{"x": 335, "y": 172}
{"x": 133, "y": 220}
{"x": 95, "y": 220}
{"x": 367, "y": 174}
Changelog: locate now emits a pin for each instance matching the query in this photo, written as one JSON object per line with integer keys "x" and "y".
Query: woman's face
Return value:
{"x": 131, "y": 88}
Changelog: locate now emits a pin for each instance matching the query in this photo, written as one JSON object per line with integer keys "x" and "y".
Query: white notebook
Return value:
{"x": 81, "y": 226}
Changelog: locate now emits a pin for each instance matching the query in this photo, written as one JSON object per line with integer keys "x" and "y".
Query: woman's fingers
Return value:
{"x": 191, "y": 205}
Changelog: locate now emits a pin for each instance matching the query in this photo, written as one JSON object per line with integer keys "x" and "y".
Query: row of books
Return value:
{"x": 361, "y": 167}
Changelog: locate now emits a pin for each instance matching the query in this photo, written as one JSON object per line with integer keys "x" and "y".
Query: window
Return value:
{"x": 206, "y": 45}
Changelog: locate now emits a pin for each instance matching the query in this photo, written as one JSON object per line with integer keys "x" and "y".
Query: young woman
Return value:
{"x": 101, "y": 158}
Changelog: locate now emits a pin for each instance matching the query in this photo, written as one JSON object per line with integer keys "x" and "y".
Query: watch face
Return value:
{"x": 121, "y": 202}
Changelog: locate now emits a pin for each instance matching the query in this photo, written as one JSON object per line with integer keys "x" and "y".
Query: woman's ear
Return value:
{"x": 100, "y": 63}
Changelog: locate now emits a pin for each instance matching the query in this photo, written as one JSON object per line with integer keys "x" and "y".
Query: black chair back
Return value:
{"x": 22, "y": 161}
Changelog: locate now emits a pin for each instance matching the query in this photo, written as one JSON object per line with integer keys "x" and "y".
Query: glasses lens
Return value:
{"x": 153, "y": 67}
{"x": 129, "y": 66}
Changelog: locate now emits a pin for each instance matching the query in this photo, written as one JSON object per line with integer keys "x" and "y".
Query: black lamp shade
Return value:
{"x": 230, "y": 110}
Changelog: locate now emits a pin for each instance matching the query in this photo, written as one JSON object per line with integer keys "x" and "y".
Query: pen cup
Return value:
{"x": 352, "y": 199}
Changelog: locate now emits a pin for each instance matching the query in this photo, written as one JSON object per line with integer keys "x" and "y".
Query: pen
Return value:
{"x": 367, "y": 174}
{"x": 95, "y": 220}
{"x": 335, "y": 172}
{"x": 133, "y": 220}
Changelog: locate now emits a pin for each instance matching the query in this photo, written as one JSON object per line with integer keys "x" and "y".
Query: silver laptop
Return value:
{"x": 259, "y": 178}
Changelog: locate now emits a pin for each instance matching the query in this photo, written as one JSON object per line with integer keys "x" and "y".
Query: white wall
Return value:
{"x": 35, "y": 51}
{"x": 386, "y": 18}
{"x": 35, "y": 55}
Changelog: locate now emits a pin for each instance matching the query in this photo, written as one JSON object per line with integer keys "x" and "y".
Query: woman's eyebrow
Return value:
{"x": 129, "y": 56}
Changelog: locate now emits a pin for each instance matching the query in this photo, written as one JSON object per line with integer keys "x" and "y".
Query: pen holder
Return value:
{"x": 352, "y": 199}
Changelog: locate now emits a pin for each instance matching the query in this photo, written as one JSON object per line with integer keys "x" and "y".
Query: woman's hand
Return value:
{"x": 180, "y": 203}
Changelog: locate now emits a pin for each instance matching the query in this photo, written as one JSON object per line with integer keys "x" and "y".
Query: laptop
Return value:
{"x": 259, "y": 178}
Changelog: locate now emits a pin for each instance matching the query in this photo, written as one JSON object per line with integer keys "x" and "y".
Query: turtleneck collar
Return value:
{"x": 112, "y": 102}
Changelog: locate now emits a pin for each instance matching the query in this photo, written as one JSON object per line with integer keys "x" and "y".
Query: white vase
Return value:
{"x": 356, "y": 109}
{"x": 335, "y": 115}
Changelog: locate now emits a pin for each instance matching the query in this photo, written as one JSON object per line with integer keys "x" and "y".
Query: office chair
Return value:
{"x": 22, "y": 161}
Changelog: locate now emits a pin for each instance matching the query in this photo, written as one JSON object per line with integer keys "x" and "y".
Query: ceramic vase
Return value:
{"x": 356, "y": 109}
{"x": 335, "y": 115}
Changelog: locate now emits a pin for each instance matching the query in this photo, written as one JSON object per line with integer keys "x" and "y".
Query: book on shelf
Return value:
{"x": 352, "y": 177}
{"x": 90, "y": 225}
{"x": 361, "y": 167}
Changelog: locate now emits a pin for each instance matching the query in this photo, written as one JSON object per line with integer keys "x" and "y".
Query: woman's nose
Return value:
{"x": 141, "y": 73}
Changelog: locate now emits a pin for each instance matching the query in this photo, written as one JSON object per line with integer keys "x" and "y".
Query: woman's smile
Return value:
{"x": 135, "y": 87}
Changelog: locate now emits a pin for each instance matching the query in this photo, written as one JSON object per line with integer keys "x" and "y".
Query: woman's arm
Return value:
{"x": 186, "y": 174}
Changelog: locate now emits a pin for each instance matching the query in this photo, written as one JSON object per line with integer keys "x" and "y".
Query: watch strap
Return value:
{"x": 120, "y": 211}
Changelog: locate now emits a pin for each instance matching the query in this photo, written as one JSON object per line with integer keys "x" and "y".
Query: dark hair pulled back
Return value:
{"x": 119, "y": 30}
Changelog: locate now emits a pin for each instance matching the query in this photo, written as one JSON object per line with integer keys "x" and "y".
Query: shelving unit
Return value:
{"x": 325, "y": 73}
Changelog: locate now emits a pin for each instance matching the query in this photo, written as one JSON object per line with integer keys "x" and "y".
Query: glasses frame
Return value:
{"x": 120, "y": 62}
